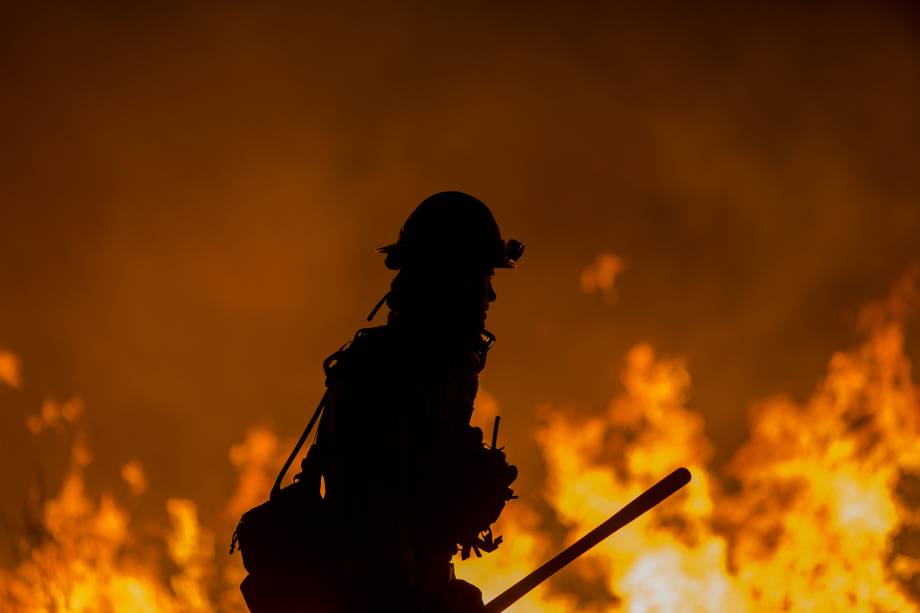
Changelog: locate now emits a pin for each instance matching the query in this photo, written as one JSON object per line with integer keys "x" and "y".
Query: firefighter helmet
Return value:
{"x": 451, "y": 228}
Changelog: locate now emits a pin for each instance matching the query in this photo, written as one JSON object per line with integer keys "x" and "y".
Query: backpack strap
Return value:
{"x": 330, "y": 368}
{"x": 303, "y": 438}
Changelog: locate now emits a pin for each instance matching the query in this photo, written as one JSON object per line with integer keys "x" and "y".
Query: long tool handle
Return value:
{"x": 639, "y": 505}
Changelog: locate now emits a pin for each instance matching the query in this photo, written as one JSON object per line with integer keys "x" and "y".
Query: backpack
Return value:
{"x": 285, "y": 549}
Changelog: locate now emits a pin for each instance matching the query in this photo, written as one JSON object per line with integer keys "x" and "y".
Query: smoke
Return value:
{"x": 191, "y": 197}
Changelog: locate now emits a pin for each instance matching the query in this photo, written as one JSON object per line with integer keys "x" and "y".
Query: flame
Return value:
{"x": 819, "y": 506}
{"x": 81, "y": 553}
{"x": 600, "y": 276}
{"x": 133, "y": 474}
{"x": 74, "y": 555}
{"x": 669, "y": 560}
{"x": 56, "y": 415}
{"x": 9, "y": 369}
{"x": 255, "y": 459}
{"x": 525, "y": 548}
{"x": 815, "y": 512}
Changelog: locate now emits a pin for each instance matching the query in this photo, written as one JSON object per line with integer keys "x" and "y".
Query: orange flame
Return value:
{"x": 821, "y": 505}
{"x": 600, "y": 276}
{"x": 9, "y": 369}
{"x": 821, "y": 490}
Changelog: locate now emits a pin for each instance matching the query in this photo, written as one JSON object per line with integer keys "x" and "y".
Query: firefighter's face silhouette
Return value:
{"x": 475, "y": 293}
{"x": 486, "y": 291}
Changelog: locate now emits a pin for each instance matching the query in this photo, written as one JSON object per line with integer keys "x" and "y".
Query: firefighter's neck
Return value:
{"x": 447, "y": 328}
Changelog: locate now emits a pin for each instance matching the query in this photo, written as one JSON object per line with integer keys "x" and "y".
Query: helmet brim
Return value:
{"x": 511, "y": 252}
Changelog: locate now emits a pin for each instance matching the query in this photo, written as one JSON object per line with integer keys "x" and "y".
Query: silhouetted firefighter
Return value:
{"x": 408, "y": 481}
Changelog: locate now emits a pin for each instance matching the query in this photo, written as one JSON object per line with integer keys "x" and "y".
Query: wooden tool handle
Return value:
{"x": 639, "y": 505}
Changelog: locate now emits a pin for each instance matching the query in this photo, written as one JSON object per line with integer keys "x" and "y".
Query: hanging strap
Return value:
{"x": 330, "y": 367}
{"x": 303, "y": 438}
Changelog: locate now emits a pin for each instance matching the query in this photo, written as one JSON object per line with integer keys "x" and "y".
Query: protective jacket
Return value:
{"x": 408, "y": 481}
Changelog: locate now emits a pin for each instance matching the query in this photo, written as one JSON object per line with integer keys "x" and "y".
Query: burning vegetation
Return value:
{"x": 816, "y": 511}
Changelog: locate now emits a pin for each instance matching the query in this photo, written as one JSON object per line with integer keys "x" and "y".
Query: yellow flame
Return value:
{"x": 820, "y": 509}
{"x": 255, "y": 459}
{"x": 77, "y": 563}
{"x": 192, "y": 549}
{"x": 813, "y": 522}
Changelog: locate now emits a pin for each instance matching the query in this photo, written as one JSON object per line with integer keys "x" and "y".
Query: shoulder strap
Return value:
{"x": 330, "y": 366}
{"x": 303, "y": 438}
